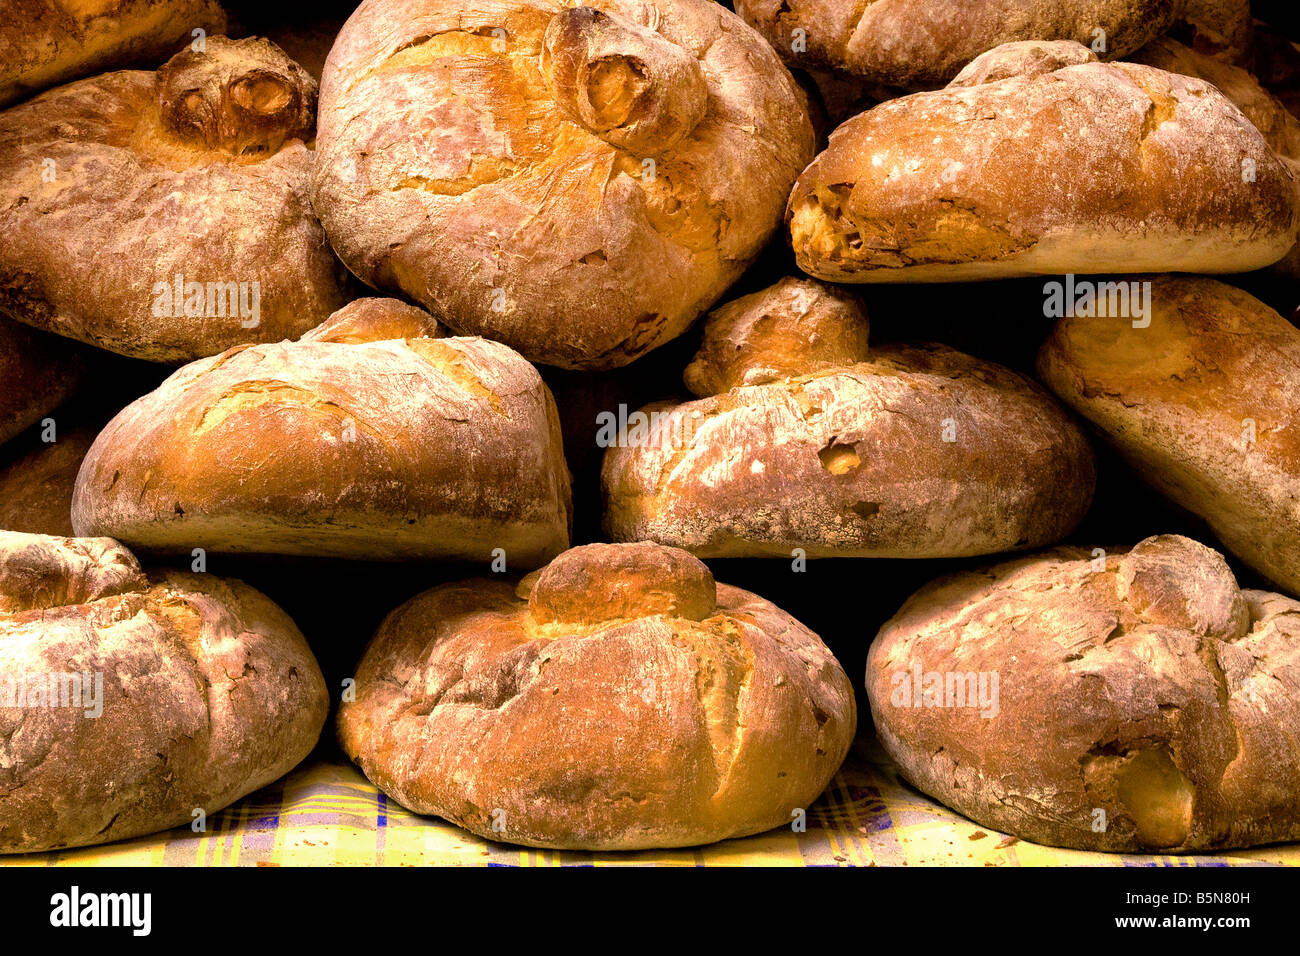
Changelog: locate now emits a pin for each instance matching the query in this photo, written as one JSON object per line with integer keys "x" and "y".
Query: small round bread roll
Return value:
{"x": 1200, "y": 396}
{"x": 900, "y": 452}
{"x": 618, "y": 699}
{"x": 578, "y": 183}
{"x": 37, "y": 372}
{"x": 922, "y": 44}
{"x": 129, "y": 701}
{"x": 165, "y": 215}
{"x": 44, "y": 42}
{"x": 1130, "y": 702}
{"x": 1037, "y": 159}
{"x": 369, "y": 438}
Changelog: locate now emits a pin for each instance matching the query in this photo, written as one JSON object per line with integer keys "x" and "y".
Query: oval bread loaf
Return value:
{"x": 617, "y": 700}
{"x": 130, "y": 700}
{"x": 1135, "y": 701}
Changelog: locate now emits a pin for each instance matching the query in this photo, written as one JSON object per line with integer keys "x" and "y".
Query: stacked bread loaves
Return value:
{"x": 616, "y": 699}
{"x": 371, "y": 437}
{"x": 133, "y": 702}
{"x": 1135, "y": 701}
{"x": 805, "y": 439}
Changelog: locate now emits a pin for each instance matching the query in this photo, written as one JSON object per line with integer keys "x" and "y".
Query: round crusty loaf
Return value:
{"x": 190, "y": 692}
{"x": 1147, "y": 705}
{"x": 922, "y": 44}
{"x": 1038, "y": 159}
{"x": 37, "y": 372}
{"x": 367, "y": 439}
{"x": 44, "y": 42}
{"x": 578, "y": 183}
{"x": 617, "y": 700}
{"x": 903, "y": 451}
{"x": 165, "y": 215}
{"x": 1202, "y": 404}
{"x": 36, "y": 487}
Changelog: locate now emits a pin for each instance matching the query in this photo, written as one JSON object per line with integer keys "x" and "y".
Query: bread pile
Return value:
{"x": 410, "y": 316}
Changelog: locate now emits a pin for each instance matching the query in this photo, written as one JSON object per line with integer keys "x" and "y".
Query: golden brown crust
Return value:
{"x": 922, "y": 44}
{"x": 38, "y": 372}
{"x": 208, "y": 692}
{"x": 920, "y": 451}
{"x": 792, "y": 328}
{"x": 1180, "y": 398}
{"x": 1092, "y": 168}
{"x": 578, "y": 183}
{"x": 375, "y": 320}
{"x": 1149, "y": 705}
{"x": 311, "y": 448}
{"x": 663, "y": 728}
{"x": 36, "y": 488}
{"x": 112, "y": 187}
{"x": 45, "y": 42}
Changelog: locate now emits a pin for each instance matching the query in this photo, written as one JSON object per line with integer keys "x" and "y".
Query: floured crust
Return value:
{"x": 501, "y": 179}
{"x": 1149, "y": 706}
{"x": 111, "y": 187}
{"x": 1180, "y": 398}
{"x": 660, "y": 720}
{"x": 1095, "y": 167}
{"x": 852, "y": 462}
{"x": 922, "y": 44}
{"x": 209, "y": 692}
{"x": 44, "y": 42}
{"x": 404, "y": 448}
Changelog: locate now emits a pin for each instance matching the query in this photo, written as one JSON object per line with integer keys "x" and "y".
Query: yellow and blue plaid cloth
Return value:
{"x": 326, "y": 813}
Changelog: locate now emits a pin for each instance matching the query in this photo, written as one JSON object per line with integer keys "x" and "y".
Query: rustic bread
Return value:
{"x": 38, "y": 372}
{"x": 1219, "y": 28}
{"x": 616, "y": 700}
{"x": 922, "y": 44}
{"x": 903, "y": 451}
{"x": 1090, "y": 167}
{"x": 113, "y": 187}
{"x": 36, "y": 487}
{"x": 1130, "y": 702}
{"x": 579, "y": 184}
{"x": 1201, "y": 403}
{"x": 339, "y": 445}
{"x": 191, "y": 691}
{"x": 44, "y": 42}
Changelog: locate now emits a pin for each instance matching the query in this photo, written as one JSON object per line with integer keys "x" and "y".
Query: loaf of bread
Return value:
{"x": 1201, "y": 402}
{"x": 902, "y": 451}
{"x": 1135, "y": 701}
{"x": 1038, "y": 159}
{"x": 922, "y": 44}
{"x": 44, "y": 42}
{"x": 165, "y": 215}
{"x": 616, "y": 700}
{"x": 578, "y": 183}
{"x": 37, "y": 372}
{"x": 368, "y": 438}
{"x": 133, "y": 702}
{"x": 36, "y": 487}
{"x": 1222, "y": 29}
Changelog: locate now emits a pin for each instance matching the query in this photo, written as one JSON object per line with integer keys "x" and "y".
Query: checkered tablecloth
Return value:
{"x": 326, "y": 813}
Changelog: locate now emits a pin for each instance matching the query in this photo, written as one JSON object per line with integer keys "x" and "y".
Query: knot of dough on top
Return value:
{"x": 1023, "y": 58}
{"x": 1173, "y": 581}
{"x": 375, "y": 320}
{"x": 39, "y": 572}
{"x": 243, "y": 97}
{"x": 795, "y": 327}
{"x": 607, "y": 582}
